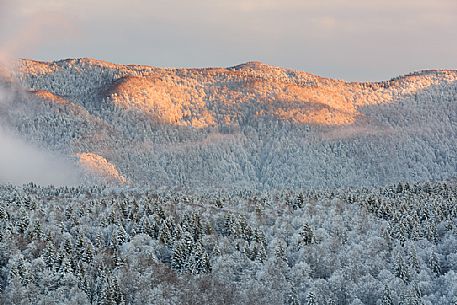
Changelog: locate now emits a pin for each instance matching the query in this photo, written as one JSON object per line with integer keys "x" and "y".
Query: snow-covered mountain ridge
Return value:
{"x": 251, "y": 124}
{"x": 196, "y": 97}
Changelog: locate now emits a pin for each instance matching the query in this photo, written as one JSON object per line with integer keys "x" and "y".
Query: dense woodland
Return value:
{"x": 95, "y": 245}
{"x": 403, "y": 129}
{"x": 246, "y": 185}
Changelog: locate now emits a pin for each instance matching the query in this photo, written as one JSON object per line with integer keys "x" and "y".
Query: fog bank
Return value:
{"x": 22, "y": 162}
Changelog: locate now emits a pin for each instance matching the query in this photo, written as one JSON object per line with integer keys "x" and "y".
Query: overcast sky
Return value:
{"x": 347, "y": 39}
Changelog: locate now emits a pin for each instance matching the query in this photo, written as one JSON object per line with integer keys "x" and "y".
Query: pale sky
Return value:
{"x": 346, "y": 39}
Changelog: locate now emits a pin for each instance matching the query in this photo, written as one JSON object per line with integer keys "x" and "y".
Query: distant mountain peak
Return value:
{"x": 84, "y": 60}
{"x": 29, "y": 66}
{"x": 254, "y": 65}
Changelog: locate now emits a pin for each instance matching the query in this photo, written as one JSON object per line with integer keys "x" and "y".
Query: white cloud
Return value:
{"x": 21, "y": 162}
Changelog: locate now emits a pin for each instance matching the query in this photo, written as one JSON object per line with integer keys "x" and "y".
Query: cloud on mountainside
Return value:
{"x": 21, "y": 162}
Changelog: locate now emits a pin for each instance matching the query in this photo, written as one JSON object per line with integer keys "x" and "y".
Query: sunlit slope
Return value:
{"x": 101, "y": 168}
{"x": 215, "y": 96}
{"x": 198, "y": 97}
{"x": 251, "y": 124}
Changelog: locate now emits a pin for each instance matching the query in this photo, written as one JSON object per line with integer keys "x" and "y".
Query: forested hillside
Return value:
{"x": 249, "y": 126}
{"x": 250, "y": 184}
{"x": 394, "y": 245}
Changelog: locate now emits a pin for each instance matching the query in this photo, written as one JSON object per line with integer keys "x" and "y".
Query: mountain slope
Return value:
{"x": 243, "y": 126}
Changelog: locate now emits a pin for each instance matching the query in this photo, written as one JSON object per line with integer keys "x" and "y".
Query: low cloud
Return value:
{"x": 22, "y": 162}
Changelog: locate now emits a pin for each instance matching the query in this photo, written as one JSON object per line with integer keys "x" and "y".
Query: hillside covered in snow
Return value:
{"x": 251, "y": 125}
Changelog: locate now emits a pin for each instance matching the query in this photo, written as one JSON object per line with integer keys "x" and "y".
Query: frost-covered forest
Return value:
{"x": 95, "y": 245}
{"x": 249, "y": 126}
{"x": 244, "y": 185}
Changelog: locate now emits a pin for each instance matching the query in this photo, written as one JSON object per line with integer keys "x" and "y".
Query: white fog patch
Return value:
{"x": 22, "y": 162}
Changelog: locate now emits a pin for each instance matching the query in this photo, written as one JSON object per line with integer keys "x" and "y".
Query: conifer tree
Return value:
{"x": 311, "y": 299}
{"x": 307, "y": 235}
{"x": 387, "y": 296}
